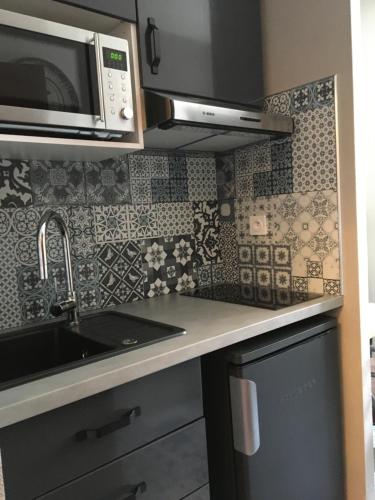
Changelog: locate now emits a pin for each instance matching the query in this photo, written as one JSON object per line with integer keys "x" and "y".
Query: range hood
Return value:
{"x": 190, "y": 125}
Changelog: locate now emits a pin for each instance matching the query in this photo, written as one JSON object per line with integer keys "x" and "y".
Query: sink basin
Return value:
{"x": 30, "y": 353}
{"x": 46, "y": 350}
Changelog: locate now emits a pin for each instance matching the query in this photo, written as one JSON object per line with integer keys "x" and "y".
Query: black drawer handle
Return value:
{"x": 154, "y": 45}
{"x": 136, "y": 490}
{"x": 123, "y": 421}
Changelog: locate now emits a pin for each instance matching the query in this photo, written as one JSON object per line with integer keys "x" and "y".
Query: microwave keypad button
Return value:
{"x": 112, "y": 97}
{"x": 123, "y": 88}
{"x": 109, "y": 74}
{"x": 110, "y": 85}
{"x": 123, "y": 76}
{"x": 113, "y": 111}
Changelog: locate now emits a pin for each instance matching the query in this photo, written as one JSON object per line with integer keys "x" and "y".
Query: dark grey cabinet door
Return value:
{"x": 123, "y": 9}
{"x": 205, "y": 48}
{"x": 168, "y": 469}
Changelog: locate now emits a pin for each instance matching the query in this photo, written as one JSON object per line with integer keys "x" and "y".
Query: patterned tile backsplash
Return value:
{"x": 159, "y": 222}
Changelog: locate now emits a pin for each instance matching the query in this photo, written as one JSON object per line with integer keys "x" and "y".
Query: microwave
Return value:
{"x": 62, "y": 80}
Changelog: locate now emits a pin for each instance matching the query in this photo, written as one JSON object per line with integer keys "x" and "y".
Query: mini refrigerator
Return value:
{"x": 273, "y": 415}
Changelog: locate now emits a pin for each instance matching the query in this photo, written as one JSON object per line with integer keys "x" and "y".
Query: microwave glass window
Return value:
{"x": 47, "y": 72}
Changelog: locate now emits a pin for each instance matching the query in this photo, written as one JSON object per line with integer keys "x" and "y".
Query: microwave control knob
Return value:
{"x": 127, "y": 113}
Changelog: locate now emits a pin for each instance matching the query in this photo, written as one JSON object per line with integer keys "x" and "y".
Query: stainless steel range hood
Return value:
{"x": 177, "y": 123}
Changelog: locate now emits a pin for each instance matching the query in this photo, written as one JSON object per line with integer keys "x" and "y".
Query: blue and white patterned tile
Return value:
{"x": 201, "y": 178}
{"x": 179, "y": 189}
{"x": 15, "y": 188}
{"x": 278, "y": 104}
{"x": 282, "y": 278}
{"x": 324, "y": 92}
{"x": 229, "y": 252}
{"x": 226, "y": 211}
{"x": 120, "y": 273}
{"x": 111, "y": 224}
{"x": 175, "y": 218}
{"x": 206, "y": 232}
{"x": 177, "y": 166}
{"x": 332, "y": 287}
{"x": 281, "y": 154}
{"x": 225, "y": 177}
{"x": 302, "y": 98}
{"x": 141, "y": 190}
{"x": 262, "y": 184}
{"x": 314, "y": 150}
{"x": 300, "y": 284}
{"x": 165, "y": 262}
{"x": 161, "y": 190}
{"x": 82, "y": 231}
{"x": 10, "y": 303}
{"x": 282, "y": 181}
{"x": 143, "y": 221}
{"x": 57, "y": 183}
{"x": 108, "y": 182}
{"x": 205, "y": 275}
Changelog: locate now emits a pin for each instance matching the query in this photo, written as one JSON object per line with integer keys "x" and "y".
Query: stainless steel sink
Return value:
{"x": 40, "y": 351}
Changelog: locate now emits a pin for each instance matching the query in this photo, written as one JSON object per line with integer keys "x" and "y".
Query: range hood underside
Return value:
{"x": 187, "y": 138}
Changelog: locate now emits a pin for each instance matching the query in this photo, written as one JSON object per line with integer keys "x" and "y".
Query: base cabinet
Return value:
{"x": 168, "y": 469}
{"x": 143, "y": 429}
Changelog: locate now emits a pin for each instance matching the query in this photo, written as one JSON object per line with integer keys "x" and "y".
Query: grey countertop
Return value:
{"x": 209, "y": 325}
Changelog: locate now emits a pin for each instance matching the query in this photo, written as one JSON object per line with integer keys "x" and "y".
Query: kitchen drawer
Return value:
{"x": 49, "y": 450}
{"x": 201, "y": 494}
{"x": 167, "y": 469}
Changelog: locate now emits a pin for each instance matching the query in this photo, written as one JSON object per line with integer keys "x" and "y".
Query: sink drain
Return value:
{"x": 129, "y": 342}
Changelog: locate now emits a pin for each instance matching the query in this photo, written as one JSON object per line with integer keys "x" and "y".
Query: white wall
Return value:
{"x": 305, "y": 40}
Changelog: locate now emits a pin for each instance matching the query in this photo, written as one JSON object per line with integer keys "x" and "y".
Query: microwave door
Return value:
{"x": 50, "y": 80}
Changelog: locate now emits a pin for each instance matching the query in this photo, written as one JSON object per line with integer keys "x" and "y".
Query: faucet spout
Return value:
{"x": 70, "y": 305}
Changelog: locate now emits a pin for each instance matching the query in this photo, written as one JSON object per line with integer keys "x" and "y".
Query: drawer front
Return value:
{"x": 49, "y": 450}
{"x": 201, "y": 494}
{"x": 167, "y": 469}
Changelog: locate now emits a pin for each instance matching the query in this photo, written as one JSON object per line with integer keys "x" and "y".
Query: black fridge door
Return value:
{"x": 287, "y": 425}
{"x": 204, "y": 48}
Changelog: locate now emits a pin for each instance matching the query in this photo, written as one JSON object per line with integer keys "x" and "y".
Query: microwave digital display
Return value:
{"x": 115, "y": 59}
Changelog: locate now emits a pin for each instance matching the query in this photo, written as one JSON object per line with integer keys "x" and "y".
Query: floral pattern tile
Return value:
{"x": 57, "y": 183}
{"x": 15, "y": 189}
{"x": 108, "y": 182}
{"x": 168, "y": 265}
{"x": 206, "y": 232}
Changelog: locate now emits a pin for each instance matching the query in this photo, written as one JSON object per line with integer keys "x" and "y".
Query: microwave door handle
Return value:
{"x": 100, "y": 76}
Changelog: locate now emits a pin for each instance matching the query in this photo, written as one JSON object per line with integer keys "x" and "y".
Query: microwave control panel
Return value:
{"x": 116, "y": 84}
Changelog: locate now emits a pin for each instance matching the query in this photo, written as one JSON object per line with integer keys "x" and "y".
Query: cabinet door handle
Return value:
{"x": 154, "y": 45}
{"x": 135, "y": 490}
{"x": 100, "y": 432}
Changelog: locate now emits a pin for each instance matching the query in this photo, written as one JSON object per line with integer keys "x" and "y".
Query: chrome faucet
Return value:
{"x": 69, "y": 305}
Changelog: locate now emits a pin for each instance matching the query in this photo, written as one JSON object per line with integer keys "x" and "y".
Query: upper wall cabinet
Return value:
{"x": 204, "y": 48}
{"x": 123, "y": 9}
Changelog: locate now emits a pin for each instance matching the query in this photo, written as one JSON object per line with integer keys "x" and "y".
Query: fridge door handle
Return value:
{"x": 245, "y": 418}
